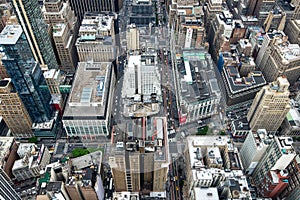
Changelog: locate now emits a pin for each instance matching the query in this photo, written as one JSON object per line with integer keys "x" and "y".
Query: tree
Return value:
{"x": 79, "y": 152}
{"x": 33, "y": 139}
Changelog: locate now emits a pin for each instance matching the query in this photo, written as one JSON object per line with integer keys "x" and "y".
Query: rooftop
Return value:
{"x": 196, "y": 146}
{"x": 5, "y": 145}
{"x": 210, "y": 193}
{"x": 88, "y": 160}
{"x": 10, "y": 34}
{"x": 90, "y": 89}
{"x": 197, "y": 77}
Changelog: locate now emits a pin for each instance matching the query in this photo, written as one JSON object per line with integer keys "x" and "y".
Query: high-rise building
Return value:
{"x": 292, "y": 191}
{"x": 254, "y": 148}
{"x": 142, "y": 12}
{"x": 138, "y": 166}
{"x": 132, "y": 36}
{"x": 36, "y": 31}
{"x": 80, "y": 7}
{"x": 96, "y": 40}
{"x": 7, "y": 192}
{"x": 278, "y": 155}
{"x": 13, "y": 111}
{"x": 275, "y": 20}
{"x": 61, "y": 19}
{"x": 213, "y": 7}
{"x": 292, "y": 30}
{"x": 260, "y": 8}
{"x": 64, "y": 42}
{"x": 25, "y": 73}
{"x": 270, "y": 106}
{"x": 59, "y": 11}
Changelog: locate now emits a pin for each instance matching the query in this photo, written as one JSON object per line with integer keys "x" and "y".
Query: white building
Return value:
{"x": 141, "y": 90}
{"x": 254, "y": 148}
{"x": 97, "y": 38}
{"x": 32, "y": 161}
{"x": 87, "y": 113}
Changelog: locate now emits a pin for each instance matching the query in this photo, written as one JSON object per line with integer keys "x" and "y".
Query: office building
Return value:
{"x": 278, "y": 155}
{"x": 142, "y": 12}
{"x": 35, "y": 30}
{"x": 25, "y": 73}
{"x": 133, "y": 36}
{"x": 212, "y": 8}
{"x": 64, "y": 28}
{"x": 88, "y": 110}
{"x": 96, "y": 40}
{"x": 260, "y": 9}
{"x": 292, "y": 191}
{"x": 275, "y": 20}
{"x": 197, "y": 94}
{"x": 64, "y": 42}
{"x": 6, "y": 189}
{"x": 141, "y": 90}
{"x": 13, "y": 111}
{"x": 277, "y": 56}
{"x": 270, "y": 106}
{"x": 253, "y": 149}
{"x": 191, "y": 32}
{"x": 241, "y": 79}
{"x": 291, "y": 8}
{"x": 52, "y": 78}
{"x": 8, "y": 155}
{"x": 80, "y": 7}
{"x": 292, "y": 30}
{"x": 59, "y": 12}
{"x": 142, "y": 165}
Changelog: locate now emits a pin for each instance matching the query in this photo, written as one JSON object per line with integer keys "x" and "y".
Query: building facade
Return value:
{"x": 35, "y": 29}
{"x": 270, "y": 106}
{"x": 96, "y": 40}
{"x": 25, "y": 73}
{"x": 13, "y": 111}
{"x": 6, "y": 189}
{"x": 80, "y": 7}
{"x": 87, "y": 113}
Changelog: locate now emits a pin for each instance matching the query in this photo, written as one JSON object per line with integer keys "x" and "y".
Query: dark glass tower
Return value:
{"x": 26, "y": 73}
{"x": 31, "y": 19}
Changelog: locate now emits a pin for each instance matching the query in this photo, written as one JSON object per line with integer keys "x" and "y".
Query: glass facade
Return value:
{"x": 30, "y": 14}
{"x": 27, "y": 78}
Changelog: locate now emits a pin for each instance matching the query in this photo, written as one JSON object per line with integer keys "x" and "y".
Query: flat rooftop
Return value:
{"x": 90, "y": 90}
{"x": 197, "y": 77}
{"x": 10, "y": 34}
{"x": 88, "y": 160}
{"x": 238, "y": 84}
{"x": 210, "y": 193}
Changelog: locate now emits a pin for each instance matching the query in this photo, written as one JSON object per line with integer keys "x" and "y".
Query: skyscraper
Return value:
{"x": 64, "y": 25}
{"x": 270, "y": 106}
{"x": 31, "y": 19}
{"x": 82, "y": 6}
{"x": 6, "y": 190}
{"x": 25, "y": 73}
{"x": 13, "y": 111}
